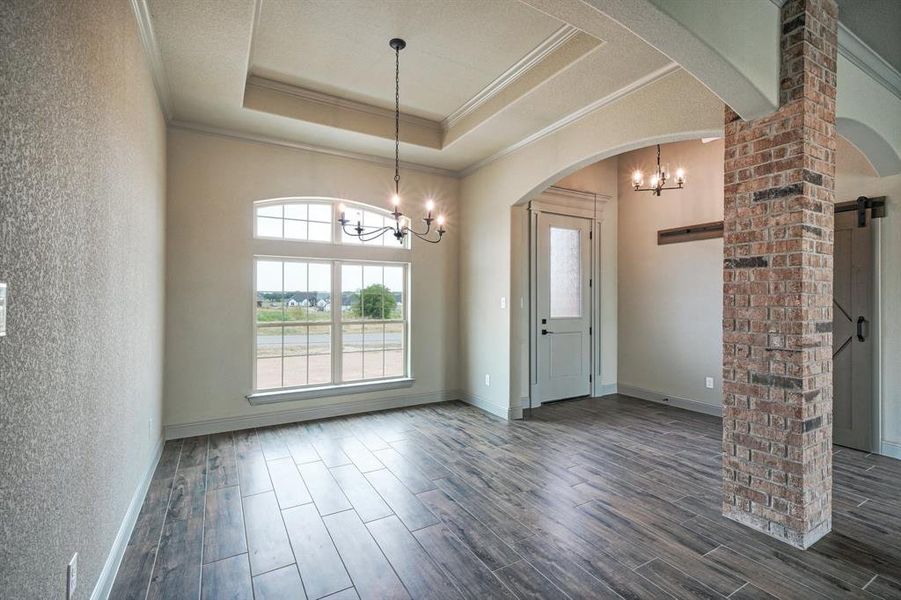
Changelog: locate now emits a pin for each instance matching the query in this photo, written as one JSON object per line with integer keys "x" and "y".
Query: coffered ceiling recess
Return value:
{"x": 479, "y": 78}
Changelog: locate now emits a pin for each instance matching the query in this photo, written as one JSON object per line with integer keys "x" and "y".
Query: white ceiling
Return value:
{"x": 477, "y": 78}
{"x": 454, "y": 49}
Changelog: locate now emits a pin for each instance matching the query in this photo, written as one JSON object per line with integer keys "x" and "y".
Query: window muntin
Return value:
{"x": 307, "y": 337}
{"x": 295, "y": 220}
{"x": 293, "y": 318}
{"x": 374, "y": 329}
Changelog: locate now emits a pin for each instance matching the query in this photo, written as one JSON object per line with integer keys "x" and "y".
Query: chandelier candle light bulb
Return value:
{"x": 398, "y": 230}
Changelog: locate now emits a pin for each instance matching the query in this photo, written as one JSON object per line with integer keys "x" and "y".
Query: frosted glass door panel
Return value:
{"x": 565, "y": 273}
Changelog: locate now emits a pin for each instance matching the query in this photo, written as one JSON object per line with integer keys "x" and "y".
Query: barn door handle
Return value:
{"x": 860, "y": 323}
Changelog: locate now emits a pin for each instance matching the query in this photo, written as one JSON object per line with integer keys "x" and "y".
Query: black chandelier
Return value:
{"x": 399, "y": 231}
{"x": 658, "y": 179}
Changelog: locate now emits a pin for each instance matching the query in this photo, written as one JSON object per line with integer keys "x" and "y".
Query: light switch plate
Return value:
{"x": 709, "y": 383}
{"x": 2, "y": 309}
{"x": 72, "y": 576}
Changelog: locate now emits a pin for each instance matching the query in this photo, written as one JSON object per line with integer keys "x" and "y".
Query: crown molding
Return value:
{"x": 337, "y": 102}
{"x": 274, "y": 141}
{"x": 867, "y": 60}
{"x": 574, "y": 194}
{"x": 530, "y": 60}
{"x": 567, "y": 201}
{"x": 153, "y": 56}
{"x": 636, "y": 85}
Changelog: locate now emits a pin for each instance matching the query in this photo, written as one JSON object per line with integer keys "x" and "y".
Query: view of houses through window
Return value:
{"x": 326, "y": 322}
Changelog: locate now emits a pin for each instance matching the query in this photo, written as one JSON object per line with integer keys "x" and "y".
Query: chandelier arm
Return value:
{"x": 376, "y": 234}
{"x": 353, "y": 230}
{"x": 425, "y": 238}
{"x": 428, "y": 228}
{"x": 366, "y": 236}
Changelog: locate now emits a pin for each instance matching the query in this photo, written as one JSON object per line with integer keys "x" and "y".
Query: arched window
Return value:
{"x": 315, "y": 220}
{"x": 330, "y": 313}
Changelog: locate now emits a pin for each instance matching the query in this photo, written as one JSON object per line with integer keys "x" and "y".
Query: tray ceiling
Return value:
{"x": 477, "y": 78}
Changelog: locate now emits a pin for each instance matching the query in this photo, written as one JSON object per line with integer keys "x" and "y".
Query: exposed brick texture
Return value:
{"x": 777, "y": 296}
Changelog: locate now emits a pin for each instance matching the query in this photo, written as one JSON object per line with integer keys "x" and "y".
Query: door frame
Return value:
{"x": 878, "y": 426}
{"x": 577, "y": 204}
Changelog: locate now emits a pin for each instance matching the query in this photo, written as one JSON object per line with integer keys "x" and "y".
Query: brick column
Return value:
{"x": 777, "y": 292}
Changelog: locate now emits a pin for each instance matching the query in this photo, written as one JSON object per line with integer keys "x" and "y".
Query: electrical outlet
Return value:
{"x": 487, "y": 379}
{"x": 709, "y": 383}
{"x": 503, "y": 302}
{"x": 72, "y": 577}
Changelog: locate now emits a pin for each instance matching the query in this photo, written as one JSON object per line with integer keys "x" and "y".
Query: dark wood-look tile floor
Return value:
{"x": 606, "y": 498}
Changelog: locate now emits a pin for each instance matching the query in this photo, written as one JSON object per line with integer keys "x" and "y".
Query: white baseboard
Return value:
{"x": 605, "y": 389}
{"x": 114, "y": 558}
{"x": 670, "y": 400}
{"x": 500, "y": 410}
{"x": 183, "y": 430}
{"x": 891, "y": 449}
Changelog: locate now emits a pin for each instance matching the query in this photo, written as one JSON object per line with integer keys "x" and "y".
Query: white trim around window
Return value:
{"x": 326, "y": 338}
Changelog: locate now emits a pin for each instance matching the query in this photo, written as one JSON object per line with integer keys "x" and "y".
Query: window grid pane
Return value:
{"x": 295, "y": 221}
{"x": 293, "y": 318}
{"x": 374, "y": 329}
{"x": 315, "y": 222}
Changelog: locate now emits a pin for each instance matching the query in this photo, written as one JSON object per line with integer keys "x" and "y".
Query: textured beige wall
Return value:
{"x": 82, "y": 171}
{"x": 599, "y": 178}
{"x": 671, "y": 297}
{"x": 213, "y": 182}
{"x": 675, "y": 107}
{"x": 602, "y": 178}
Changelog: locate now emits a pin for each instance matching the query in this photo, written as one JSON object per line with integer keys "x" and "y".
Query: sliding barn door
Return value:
{"x": 852, "y": 340}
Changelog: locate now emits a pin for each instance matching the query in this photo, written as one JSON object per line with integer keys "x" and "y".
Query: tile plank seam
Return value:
{"x": 612, "y": 436}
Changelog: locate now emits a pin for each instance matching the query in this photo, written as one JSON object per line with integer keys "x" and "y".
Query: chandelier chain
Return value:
{"x": 397, "y": 120}
{"x": 402, "y": 227}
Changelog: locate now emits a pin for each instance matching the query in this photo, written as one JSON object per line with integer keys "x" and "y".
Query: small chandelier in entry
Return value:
{"x": 398, "y": 230}
{"x": 658, "y": 179}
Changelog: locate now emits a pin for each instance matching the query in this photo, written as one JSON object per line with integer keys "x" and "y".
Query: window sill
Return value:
{"x": 344, "y": 389}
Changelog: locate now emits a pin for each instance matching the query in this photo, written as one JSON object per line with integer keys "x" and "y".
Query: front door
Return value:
{"x": 852, "y": 341}
{"x": 563, "y": 307}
